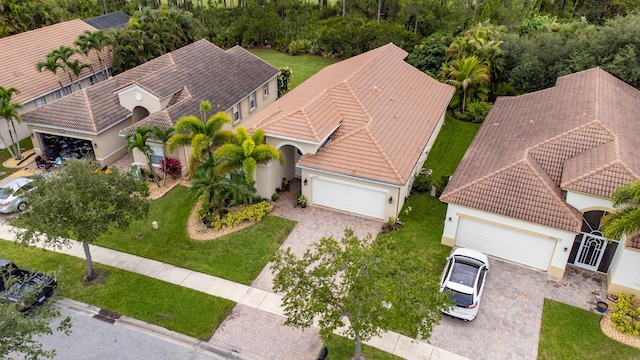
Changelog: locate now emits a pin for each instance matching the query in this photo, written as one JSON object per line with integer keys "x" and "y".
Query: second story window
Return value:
{"x": 41, "y": 101}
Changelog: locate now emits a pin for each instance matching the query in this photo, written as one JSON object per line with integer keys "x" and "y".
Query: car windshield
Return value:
{"x": 460, "y": 298}
{"x": 464, "y": 274}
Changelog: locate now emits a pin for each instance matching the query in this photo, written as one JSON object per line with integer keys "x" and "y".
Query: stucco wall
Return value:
{"x": 624, "y": 273}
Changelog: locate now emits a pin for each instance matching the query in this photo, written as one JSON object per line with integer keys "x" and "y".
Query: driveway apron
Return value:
{"x": 261, "y": 335}
{"x": 508, "y": 323}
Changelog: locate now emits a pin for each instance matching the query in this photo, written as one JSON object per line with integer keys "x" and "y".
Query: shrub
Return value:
{"x": 275, "y": 196}
{"x": 284, "y": 78}
{"x": 173, "y": 166}
{"x": 625, "y": 317}
{"x": 300, "y": 46}
{"x": 441, "y": 184}
{"x": 144, "y": 189}
{"x": 422, "y": 184}
{"x": 475, "y": 112}
{"x": 254, "y": 212}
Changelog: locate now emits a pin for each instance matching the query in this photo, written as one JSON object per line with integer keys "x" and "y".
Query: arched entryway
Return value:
{"x": 291, "y": 156}
{"x": 591, "y": 250}
{"x": 138, "y": 114}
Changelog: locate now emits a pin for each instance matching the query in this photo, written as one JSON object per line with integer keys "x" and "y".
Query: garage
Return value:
{"x": 505, "y": 243}
{"x": 66, "y": 147}
{"x": 350, "y": 197}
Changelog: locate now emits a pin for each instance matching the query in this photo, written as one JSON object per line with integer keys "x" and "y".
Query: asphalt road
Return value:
{"x": 125, "y": 339}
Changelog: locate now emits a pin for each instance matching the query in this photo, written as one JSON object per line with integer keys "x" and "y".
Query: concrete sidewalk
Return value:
{"x": 390, "y": 342}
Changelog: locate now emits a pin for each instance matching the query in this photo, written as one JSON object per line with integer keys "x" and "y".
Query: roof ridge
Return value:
{"x": 87, "y": 104}
{"x": 596, "y": 102}
{"x": 545, "y": 181}
{"x": 569, "y": 132}
{"x": 616, "y": 162}
{"x": 375, "y": 56}
{"x": 356, "y": 99}
{"x": 384, "y": 154}
{"x": 482, "y": 179}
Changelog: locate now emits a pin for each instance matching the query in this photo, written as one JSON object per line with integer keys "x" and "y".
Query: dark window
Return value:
{"x": 461, "y": 299}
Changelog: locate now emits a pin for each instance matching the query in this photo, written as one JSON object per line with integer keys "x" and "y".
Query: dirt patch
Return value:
{"x": 99, "y": 277}
{"x": 156, "y": 192}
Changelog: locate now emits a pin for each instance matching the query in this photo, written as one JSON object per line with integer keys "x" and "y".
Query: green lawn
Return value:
{"x": 341, "y": 348}
{"x": 453, "y": 141}
{"x": 302, "y": 66}
{"x": 568, "y": 332}
{"x": 238, "y": 257}
{"x": 174, "y": 307}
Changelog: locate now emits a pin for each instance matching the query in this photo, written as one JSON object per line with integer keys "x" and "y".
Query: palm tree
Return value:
{"x": 163, "y": 136}
{"x": 76, "y": 67}
{"x": 207, "y": 182}
{"x": 205, "y": 106}
{"x": 202, "y": 137}
{"x": 469, "y": 75}
{"x": 9, "y": 112}
{"x": 626, "y": 219}
{"x": 246, "y": 152}
{"x": 63, "y": 56}
{"x": 238, "y": 189}
{"x": 138, "y": 140}
{"x": 96, "y": 41}
{"x": 51, "y": 64}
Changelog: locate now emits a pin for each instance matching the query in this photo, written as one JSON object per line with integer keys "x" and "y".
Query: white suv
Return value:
{"x": 464, "y": 275}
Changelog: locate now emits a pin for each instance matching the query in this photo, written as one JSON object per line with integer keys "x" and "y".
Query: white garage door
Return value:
{"x": 504, "y": 243}
{"x": 349, "y": 197}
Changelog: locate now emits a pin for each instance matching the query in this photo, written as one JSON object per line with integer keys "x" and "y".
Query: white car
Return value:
{"x": 13, "y": 195}
{"x": 464, "y": 275}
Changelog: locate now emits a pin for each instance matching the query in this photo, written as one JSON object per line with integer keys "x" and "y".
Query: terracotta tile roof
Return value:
{"x": 580, "y": 134}
{"x": 188, "y": 75}
{"x": 20, "y": 53}
{"x": 378, "y": 111}
{"x": 633, "y": 240}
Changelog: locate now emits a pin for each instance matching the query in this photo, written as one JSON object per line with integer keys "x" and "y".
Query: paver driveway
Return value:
{"x": 260, "y": 335}
{"x": 507, "y": 326}
{"x": 508, "y": 323}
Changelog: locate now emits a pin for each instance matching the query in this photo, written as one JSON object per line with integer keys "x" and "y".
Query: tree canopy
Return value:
{"x": 626, "y": 220}
{"x": 80, "y": 202}
{"x": 363, "y": 288}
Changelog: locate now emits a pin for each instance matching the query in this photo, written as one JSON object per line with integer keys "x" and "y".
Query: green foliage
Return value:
{"x": 275, "y": 196}
{"x": 370, "y": 285}
{"x": 144, "y": 189}
{"x": 301, "y": 199}
{"x": 284, "y": 77}
{"x": 626, "y": 219}
{"x": 429, "y": 55}
{"x": 441, "y": 184}
{"x": 537, "y": 23}
{"x": 301, "y": 46}
{"x": 304, "y": 66}
{"x": 624, "y": 316}
{"x": 422, "y": 184}
{"x": 254, "y": 212}
{"x": 476, "y": 112}
{"x": 78, "y": 203}
{"x": 151, "y": 33}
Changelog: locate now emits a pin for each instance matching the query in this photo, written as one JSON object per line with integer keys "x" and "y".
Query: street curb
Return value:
{"x": 156, "y": 331}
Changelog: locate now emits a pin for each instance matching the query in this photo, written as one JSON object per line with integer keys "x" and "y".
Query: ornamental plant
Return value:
{"x": 171, "y": 166}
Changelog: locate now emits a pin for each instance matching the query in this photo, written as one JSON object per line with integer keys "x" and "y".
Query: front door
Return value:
{"x": 591, "y": 249}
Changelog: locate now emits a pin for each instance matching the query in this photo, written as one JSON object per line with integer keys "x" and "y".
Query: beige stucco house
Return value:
{"x": 356, "y": 133}
{"x": 537, "y": 179}
{"x": 19, "y": 55}
{"x": 92, "y": 121}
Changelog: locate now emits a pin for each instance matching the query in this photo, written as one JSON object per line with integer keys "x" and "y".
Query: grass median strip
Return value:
{"x": 239, "y": 256}
{"x": 342, "y": 348}
{"x": 171, "y": 306}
